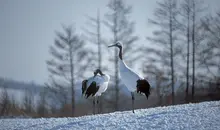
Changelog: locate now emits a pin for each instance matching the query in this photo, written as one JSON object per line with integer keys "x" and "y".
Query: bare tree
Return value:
{"x": 193, "y": 49}
{"x": 191, "y": 12}
{"x": 197, "y": 9}
{"x": 28, "y": 101}
{"x": 165, "y": 49}
{"x": 160, "y": 79}
{"x": 4, "y": 102}
{"x": 69, "y": 59}
{"x": 41, "y": 108}
{"x": 211, "y": 52}
{"x": 94, "y": 37}
{"x": 186, "y": 12}
{"x": 122, "y": 29}
{"x": 93, "y": 34}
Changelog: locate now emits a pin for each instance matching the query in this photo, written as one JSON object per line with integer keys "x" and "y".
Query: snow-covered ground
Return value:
{"x": 200, "y": 116}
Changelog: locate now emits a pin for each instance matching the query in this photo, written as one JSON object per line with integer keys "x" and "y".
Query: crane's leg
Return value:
{"x": 132, "y": 97}
{"x": 94, "y": 105}
{"x": 98, "y": 104}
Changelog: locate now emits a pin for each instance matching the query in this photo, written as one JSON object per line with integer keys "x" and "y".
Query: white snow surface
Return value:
{"x": 198, "y": 116}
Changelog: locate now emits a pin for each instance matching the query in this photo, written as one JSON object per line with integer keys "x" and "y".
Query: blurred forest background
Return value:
{"x": 181, "y": 60}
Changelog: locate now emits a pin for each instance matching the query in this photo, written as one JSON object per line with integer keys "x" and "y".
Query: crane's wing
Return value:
{"x": 98, "y": 79}
{"x": 129, "y": 77}
{"x": 92, "y": 89}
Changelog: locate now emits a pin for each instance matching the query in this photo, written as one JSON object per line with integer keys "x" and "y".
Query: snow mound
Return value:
{"x": 199, "y": 116}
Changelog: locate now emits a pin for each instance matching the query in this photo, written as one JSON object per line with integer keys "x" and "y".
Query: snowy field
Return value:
{"x": 201, "y": 116}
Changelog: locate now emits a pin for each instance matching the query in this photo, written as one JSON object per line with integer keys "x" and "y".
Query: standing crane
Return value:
{"x": 95, "y": 86}
{"x": 132, "y": 80}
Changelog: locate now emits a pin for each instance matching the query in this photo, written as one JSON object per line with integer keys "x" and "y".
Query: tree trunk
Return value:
{"x": 99, "y": 54}
{"x": 193, "y": 51}
{"x": 187, "y": 64}
{"x": 72, "y": 80}
{"x": 116, "y": 61}
{"x": 171, "y": 55}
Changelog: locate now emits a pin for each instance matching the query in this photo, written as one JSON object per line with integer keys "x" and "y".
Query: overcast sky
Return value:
{"x": 27, "y": 29}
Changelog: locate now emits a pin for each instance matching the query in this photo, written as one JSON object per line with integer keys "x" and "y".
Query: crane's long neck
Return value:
{"x": 120, "y": 52}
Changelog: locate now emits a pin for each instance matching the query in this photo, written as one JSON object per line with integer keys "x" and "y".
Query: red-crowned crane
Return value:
{"x": 95, "y": 86}
{"x": 132, "y": 80}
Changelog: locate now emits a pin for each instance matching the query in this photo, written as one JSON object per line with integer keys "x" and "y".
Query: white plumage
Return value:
{"x": 133, "y": 81}
{"x": 101, "y": 81}
{"x": 128, "y": 76}
{"x": 95, "y": 86}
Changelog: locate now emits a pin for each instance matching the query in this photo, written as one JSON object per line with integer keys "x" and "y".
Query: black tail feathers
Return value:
{"x": 92, "y": 89}
{"x": 143, "y": 87}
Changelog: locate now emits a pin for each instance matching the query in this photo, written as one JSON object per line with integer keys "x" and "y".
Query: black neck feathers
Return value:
{"x": 120, "y": 52}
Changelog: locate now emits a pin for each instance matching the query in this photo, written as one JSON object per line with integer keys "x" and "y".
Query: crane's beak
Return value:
{"x": 112, "y": 45}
